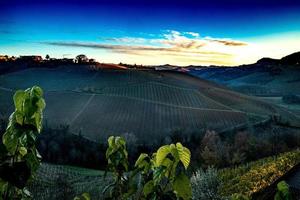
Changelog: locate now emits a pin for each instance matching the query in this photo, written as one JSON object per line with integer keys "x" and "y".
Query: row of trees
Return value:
{"x": 244, "y": 146}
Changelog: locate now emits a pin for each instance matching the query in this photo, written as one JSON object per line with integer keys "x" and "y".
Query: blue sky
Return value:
{"x": 222, "y": 32}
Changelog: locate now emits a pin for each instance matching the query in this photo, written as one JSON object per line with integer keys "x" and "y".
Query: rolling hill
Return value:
{"x": 147, "y": 104}
{"x": 269, "y": 79}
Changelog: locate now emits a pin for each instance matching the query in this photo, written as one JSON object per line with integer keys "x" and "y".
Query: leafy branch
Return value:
{"x": 18, "y": 154}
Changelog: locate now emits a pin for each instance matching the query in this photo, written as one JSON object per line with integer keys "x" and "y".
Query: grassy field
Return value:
{"x": 65, "y": 182}
{"x": 147, "y": 104}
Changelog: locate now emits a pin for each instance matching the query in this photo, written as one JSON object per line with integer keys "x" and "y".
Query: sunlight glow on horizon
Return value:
{"x": 174, "y": 48}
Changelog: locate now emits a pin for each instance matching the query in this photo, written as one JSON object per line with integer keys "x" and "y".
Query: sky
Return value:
{"x": 214, "y": 32}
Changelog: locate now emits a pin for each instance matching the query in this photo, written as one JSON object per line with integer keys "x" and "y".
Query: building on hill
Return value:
{"x": 92, "y": 60}
{"x": 166, "y": 68}
{"x": 6, "y": 58}
{"x": 33, "y": 58}
{"x": 3, "y": 58}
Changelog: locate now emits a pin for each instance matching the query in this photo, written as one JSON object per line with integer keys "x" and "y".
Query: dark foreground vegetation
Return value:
{"x": 162, "y": 175}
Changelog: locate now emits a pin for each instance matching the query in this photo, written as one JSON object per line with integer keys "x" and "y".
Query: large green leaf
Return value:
{"x": 36, "y": 91}
{"x": 184, "y": 154}
{"x": 182, "y": 187}
{"x": 10, "y": 140}
{"x": 174, "y": 152}
{"x": 19, "y": 97}
{"x": 162, "y": 154}
{"x": 139, "y": 162}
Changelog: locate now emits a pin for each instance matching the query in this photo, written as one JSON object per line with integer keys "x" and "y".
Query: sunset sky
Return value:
{"x": 215, "y": 32}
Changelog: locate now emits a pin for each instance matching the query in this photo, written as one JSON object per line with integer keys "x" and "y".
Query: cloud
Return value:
{"x": 228, "y": 42}
{"x": 128, "y": 49}
{"x": 184, "y": 47}
{"x": 127, "y": 40}
{"x": 193, "y": 34}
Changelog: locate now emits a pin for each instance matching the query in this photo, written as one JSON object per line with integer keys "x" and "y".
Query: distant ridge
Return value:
{"x": 292, "y": 59}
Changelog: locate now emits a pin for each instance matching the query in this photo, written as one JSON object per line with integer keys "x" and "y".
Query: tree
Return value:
{"x": 47, "y": 57}
{"x": 214, "y": 151}
{"x": 81, "y": 58}
{"x": 18, "y": 154}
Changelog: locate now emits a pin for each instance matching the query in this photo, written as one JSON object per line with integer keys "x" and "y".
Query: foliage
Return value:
{"x": 19, "y": 156}
{"x": 163, "y": 172}
{"x": 84, "y": 196}
{"x": 60, "y": 145}
{"x": 252, "y": 177}
{"x": 117, "y": 158}
{"x": 161, "y": 175}
{"x": 283, "y": 191}
{"x": 206, "y": 184}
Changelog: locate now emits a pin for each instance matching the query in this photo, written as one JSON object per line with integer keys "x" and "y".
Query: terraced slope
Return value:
{"x": 147, "y": 104}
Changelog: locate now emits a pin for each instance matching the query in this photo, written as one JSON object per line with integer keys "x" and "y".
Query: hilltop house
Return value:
{"x": 33, "y": 58}
{"x": 3, "y": 58}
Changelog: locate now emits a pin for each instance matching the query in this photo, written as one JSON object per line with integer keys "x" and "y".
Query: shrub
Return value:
{"x": 206, "y": 184}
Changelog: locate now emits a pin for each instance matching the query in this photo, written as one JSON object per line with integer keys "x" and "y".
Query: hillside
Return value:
{"x": 270, "y": 79}
{"x": 144, "y": 104}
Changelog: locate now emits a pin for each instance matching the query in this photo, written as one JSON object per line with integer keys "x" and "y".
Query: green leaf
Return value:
{"x": 19, "y": 117}
{"x": 10, "y": 140}
{"x": 86, "y": 196}
{"x": 38, "y": 121}
{"x": 36, "y": 91}
{"x": 26, "y": 192}
{"x": 3, "y": 186}
{"x": 32, "y": 161}
{"x": 148, "y": 188}
{"x": 184, "y": 155}
{"x": 174, "y": 152}
{"x": 141, "y": 158}
{"x": 162, "y": 154}
{"x": 19, "y": 97}
{"x": 283, "y": 190}
{"x": 23, "y": 151}
{"x": 182, "y": 187}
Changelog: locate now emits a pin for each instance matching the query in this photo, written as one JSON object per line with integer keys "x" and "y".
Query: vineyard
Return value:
{"x": 50, "y": 179}
{"x": 146, "y": 104}
{"x": 255, "y": 176}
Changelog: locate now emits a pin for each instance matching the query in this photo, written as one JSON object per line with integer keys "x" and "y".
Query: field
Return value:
{"x": 146, "y": 104}
{"x": 65, "y": 182}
